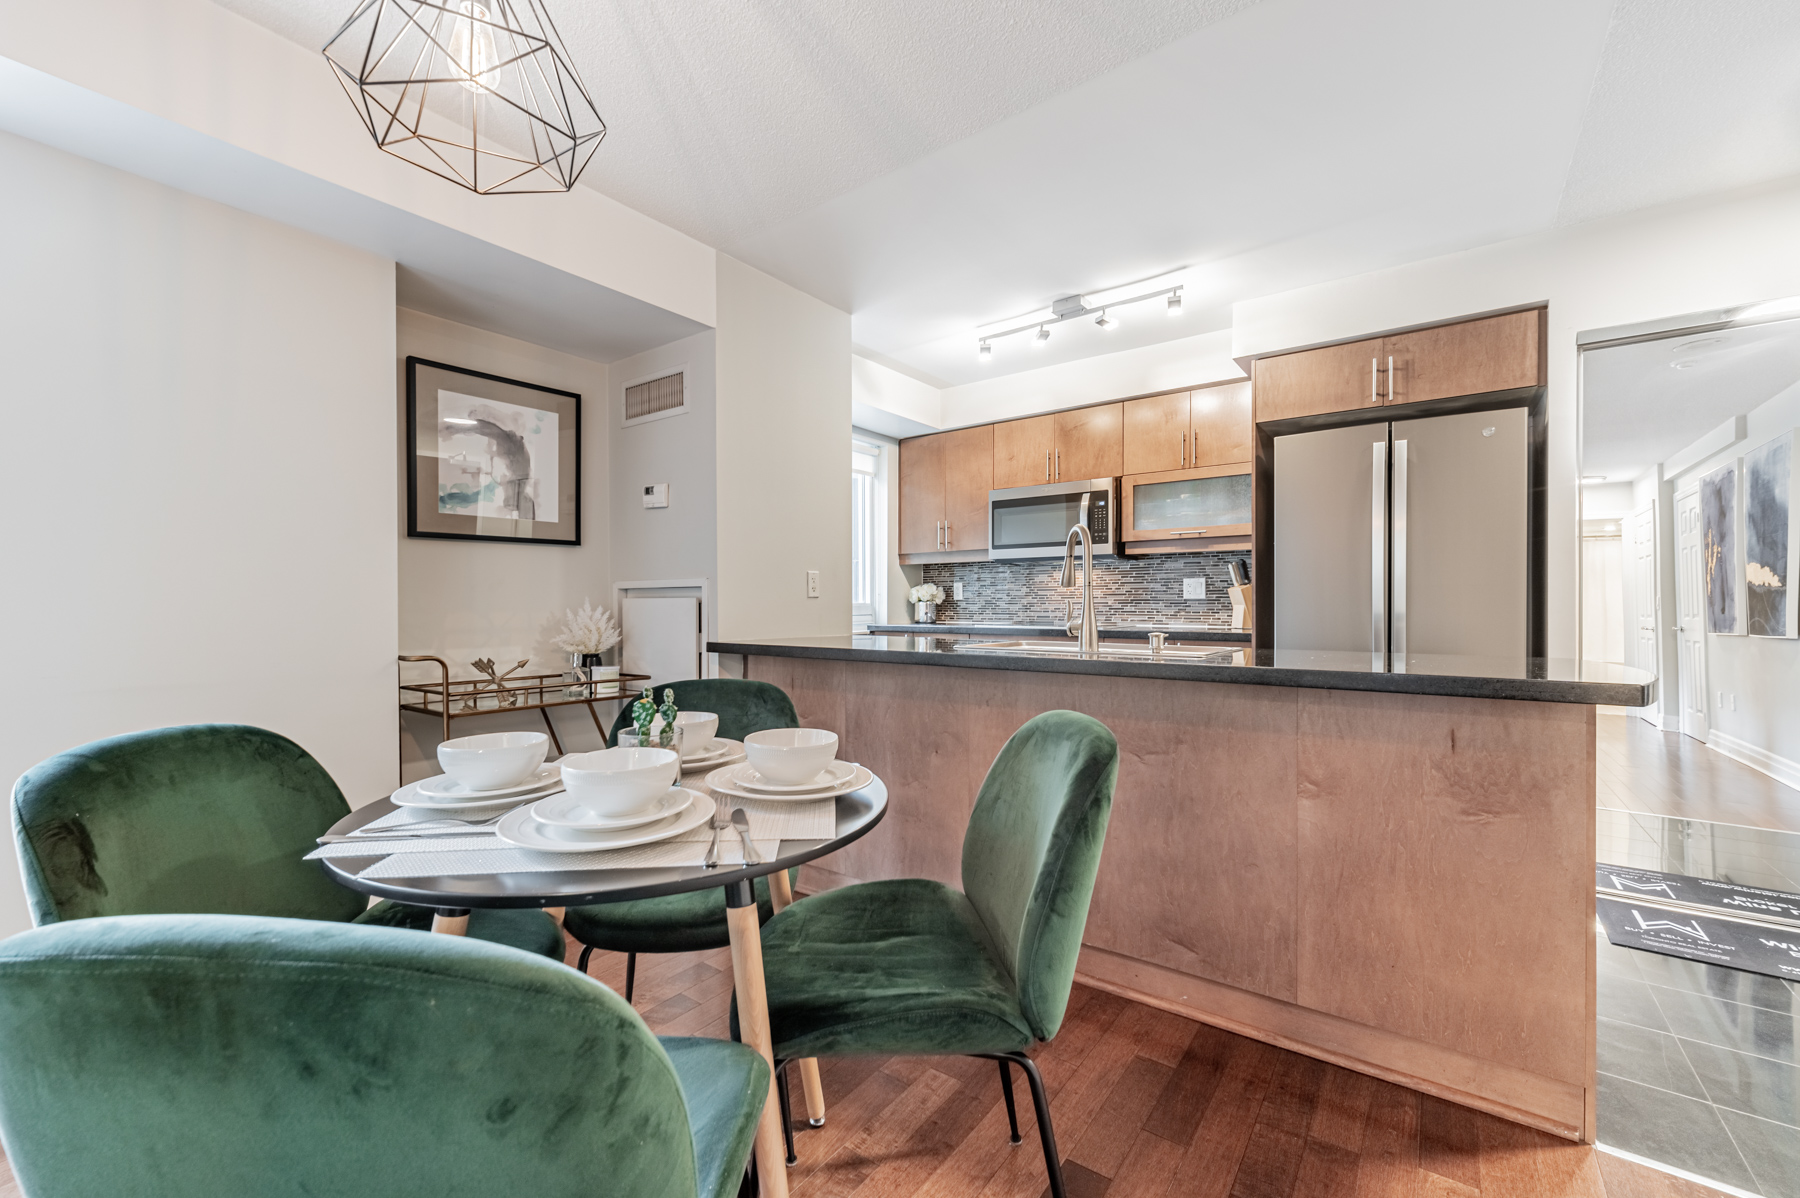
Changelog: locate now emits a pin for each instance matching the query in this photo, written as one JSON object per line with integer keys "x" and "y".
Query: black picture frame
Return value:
{"x": 428, "y": 518}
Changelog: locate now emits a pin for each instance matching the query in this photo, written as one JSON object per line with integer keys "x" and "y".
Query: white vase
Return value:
{"x": 925, "y": 613}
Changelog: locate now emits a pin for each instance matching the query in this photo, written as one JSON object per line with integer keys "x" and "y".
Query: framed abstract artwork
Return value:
{"x": 1720, "y": 562}
{"x": 490, "y": 458}
{"x": 1768, "y": 538}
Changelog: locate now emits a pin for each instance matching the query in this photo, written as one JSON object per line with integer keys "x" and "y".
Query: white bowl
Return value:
{"x": 791, "y": 756}
{"x": 697, "y": 731}
{"x": 494, "y": 759}
{"x": 619, "y": 782}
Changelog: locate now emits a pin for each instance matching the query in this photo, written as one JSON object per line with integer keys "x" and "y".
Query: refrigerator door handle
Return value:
{"x": 1398, "y": 636}
{"x": 1378, "y": 560}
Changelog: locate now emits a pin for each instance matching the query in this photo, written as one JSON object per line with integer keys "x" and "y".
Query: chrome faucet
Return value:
{"x": 1089, "y": 632}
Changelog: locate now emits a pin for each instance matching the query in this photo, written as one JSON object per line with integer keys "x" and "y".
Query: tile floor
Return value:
{"x": 1698, "y": 1065}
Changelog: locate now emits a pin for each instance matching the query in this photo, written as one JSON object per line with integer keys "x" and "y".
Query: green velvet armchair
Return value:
{"x": 912, "y": 967}
{"x": 683, "y": 923}
{"x": 210, "y": 818}
{"x": 219, "y": 1056}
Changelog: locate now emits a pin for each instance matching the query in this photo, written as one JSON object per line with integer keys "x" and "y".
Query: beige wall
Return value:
{"x": 783, "y": 459}
{"x": 199, "y": 404}
{"x": 1659, "y": 263}
{"x": 467, "y": 599}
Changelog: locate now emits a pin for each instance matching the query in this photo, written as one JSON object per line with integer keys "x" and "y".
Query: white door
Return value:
{"x": 1643, "y": 595}
{"x": 1690, "y": 610}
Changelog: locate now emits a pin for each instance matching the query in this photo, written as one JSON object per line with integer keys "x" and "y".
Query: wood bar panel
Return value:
{"x": 1398, "y": 883}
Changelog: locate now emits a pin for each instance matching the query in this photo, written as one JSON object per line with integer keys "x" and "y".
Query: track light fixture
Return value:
{"x": 1069, "y": 307}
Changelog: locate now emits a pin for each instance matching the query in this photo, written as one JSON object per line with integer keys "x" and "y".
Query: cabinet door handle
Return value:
{"x": 1046, "y": 465}
{"x": 1374, "y": 373}
{"x": 1390, "y": 390}
{"x": 1059, "y": 465}
{"x": 1184, "y": 449}
{"x": 948, "y": 535}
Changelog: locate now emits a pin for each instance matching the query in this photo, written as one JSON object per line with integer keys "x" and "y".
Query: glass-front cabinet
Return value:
{"x": 1206, "y": 504}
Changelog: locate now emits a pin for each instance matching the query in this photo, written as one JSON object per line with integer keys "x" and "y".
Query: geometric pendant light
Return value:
{"x": 480, "y": 92}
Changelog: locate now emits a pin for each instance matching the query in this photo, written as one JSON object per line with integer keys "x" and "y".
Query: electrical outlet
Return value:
{"x": 1193, "y": 588}
{"x": 956, "y": 590}
{"x": 656, "y": 495}
{"x": 812, "y": 584}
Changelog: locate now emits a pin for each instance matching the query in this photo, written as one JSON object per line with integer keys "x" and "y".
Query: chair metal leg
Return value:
{"x": 1012, "y": 1112}
{"x": 787, "y": 1110}
{"x": 1040, "y": 1103}
{"x": 630, "y": 975}
{"x": 587, "y": 950}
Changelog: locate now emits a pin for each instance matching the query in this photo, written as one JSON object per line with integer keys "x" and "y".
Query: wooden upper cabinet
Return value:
{"x": 1336, "y": 378}
{"x": 1088, "y": 443}
{"x": 1222, "y": 430}
{"x": 1494, "y": 354}
{"x": 1023, "y": 450}
{"x": 1156, "y": 433}
{"x": 968, "y": 477}
{"x": 922, "y": 461}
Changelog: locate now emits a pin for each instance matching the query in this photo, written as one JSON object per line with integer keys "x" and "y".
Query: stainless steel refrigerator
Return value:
{"x": 1403, "y": 538}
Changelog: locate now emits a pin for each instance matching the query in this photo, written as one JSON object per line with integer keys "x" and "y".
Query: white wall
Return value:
{"x": 783, "y": 426}
{"x": 678, "y": 541}
{"x": 1645, "y": 266}
{"x": 1760, "y": 676}
{"x": 461, "y": 600}
{"x": 199, "y": 406}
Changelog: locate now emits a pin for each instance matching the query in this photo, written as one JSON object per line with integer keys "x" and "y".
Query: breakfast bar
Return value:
{"x": 1388, "y": 870}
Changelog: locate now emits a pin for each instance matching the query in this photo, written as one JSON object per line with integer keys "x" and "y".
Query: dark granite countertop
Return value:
{"x": 1177, "y": 632}
{"x": 1551, "y": 680}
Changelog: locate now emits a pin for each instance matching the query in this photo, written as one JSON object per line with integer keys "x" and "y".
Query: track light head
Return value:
{"x": 1106, "y": 322}
{"x": 987, "y": 351}
{"x": 1043, "y": 335}
{"x": 1174, "y": 303}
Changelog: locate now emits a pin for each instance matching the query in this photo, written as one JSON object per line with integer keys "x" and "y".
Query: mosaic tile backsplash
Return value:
{"x": 1141, "y": 590}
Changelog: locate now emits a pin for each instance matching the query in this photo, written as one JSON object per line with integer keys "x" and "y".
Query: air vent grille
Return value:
{"x": 657, "y": 395}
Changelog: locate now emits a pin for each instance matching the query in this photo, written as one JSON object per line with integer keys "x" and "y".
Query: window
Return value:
{"x": 868, "y": 535}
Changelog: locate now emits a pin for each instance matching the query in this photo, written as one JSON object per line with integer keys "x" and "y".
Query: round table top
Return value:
{"x": 857, "y": 813}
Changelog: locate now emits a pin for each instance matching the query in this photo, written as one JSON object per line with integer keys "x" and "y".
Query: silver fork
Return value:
{"x": 718, "y": 827}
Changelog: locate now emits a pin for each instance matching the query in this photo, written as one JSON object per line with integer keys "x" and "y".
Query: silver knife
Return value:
{"x": 741, "y": 822}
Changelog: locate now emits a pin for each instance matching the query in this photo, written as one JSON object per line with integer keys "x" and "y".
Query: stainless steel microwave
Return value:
{"x": 1035, "y": 521}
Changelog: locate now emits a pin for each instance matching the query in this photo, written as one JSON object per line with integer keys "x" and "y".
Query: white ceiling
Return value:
{"x": 932, "y": 165}
{"x": 1640, "y": 403}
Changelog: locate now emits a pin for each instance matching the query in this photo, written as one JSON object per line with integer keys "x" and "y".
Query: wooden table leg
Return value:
{"x": 449, "y": 921}
{"x": 753, "y": 1027}
{"x": 781, "y": 896}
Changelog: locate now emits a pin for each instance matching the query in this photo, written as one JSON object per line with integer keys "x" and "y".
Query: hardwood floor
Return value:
{"x": 1665, "y": 773}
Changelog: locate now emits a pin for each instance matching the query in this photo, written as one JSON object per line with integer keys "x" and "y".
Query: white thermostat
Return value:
{"x": 656, "y": 495}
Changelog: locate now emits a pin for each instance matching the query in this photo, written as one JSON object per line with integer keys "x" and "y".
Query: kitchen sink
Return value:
{"x": 1107, "y": 650}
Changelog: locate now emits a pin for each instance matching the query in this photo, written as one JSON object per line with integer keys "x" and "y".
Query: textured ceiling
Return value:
{"x": 937, "y": 165}
{"x": 1642, "y": 402}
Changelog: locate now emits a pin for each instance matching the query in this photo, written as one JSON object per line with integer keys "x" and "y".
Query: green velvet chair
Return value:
{"x": 210, "y": 818}
{"x": 219, "y": 1056}
{"x": 912, "y": 967}
{"x": 683, "y": 923}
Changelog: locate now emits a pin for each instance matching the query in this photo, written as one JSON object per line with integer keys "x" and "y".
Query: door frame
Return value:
{"x": 1692, "y": 671}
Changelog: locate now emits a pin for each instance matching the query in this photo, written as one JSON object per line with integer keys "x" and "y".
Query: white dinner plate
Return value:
{"x": 835, "y": 774}
{"x": 722, "y": 751}
{"x": 722, "y": 782}
{"x": 519, "y": 828}
{"x": 567, "y": 811}
{"x": 443, "y": 786}
{"x": 409, "y": 796}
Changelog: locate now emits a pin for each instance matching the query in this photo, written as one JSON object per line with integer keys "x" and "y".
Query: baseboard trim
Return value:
{"x": 1757, "y": 758}
{"x": 1514, "y": 1094}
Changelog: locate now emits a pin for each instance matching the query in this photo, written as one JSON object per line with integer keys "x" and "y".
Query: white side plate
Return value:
{"x": 443, "y": 786}
{"x": 521, "y": 829}
{"x": 720, "y": 782}
{"x": 409, "y": 796}
{"x": 567, "y": 811}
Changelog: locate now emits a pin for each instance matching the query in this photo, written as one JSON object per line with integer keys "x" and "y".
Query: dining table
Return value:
{"x": 452, "y": 884}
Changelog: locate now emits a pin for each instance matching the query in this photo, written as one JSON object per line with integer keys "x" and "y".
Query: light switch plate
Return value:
{"x": 956, "y": 590}
{"x": 812, "y": 584}
{"x": 1193, "y": 588}
{"x": 656, "y": 495}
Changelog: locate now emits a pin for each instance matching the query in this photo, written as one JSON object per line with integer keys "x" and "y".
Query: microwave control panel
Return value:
{"x": 1097, "y": 522}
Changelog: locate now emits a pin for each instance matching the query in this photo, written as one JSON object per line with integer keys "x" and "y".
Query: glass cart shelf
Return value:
{"x": 447, "y": 700}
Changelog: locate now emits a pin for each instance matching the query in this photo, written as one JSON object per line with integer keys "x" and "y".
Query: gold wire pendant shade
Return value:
{"x": 480, "y": 92}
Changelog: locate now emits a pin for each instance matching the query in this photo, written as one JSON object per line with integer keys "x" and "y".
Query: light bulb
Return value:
{"x": 1106, "y": 322}
{"x": 472, "y": 46}
{"x": 987, "y": 351}
{"x": 1043, "y": 335}
{"x": 1175, "y": 303}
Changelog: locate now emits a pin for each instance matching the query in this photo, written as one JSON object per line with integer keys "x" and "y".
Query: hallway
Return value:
{"x": 1665, "y": 773}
